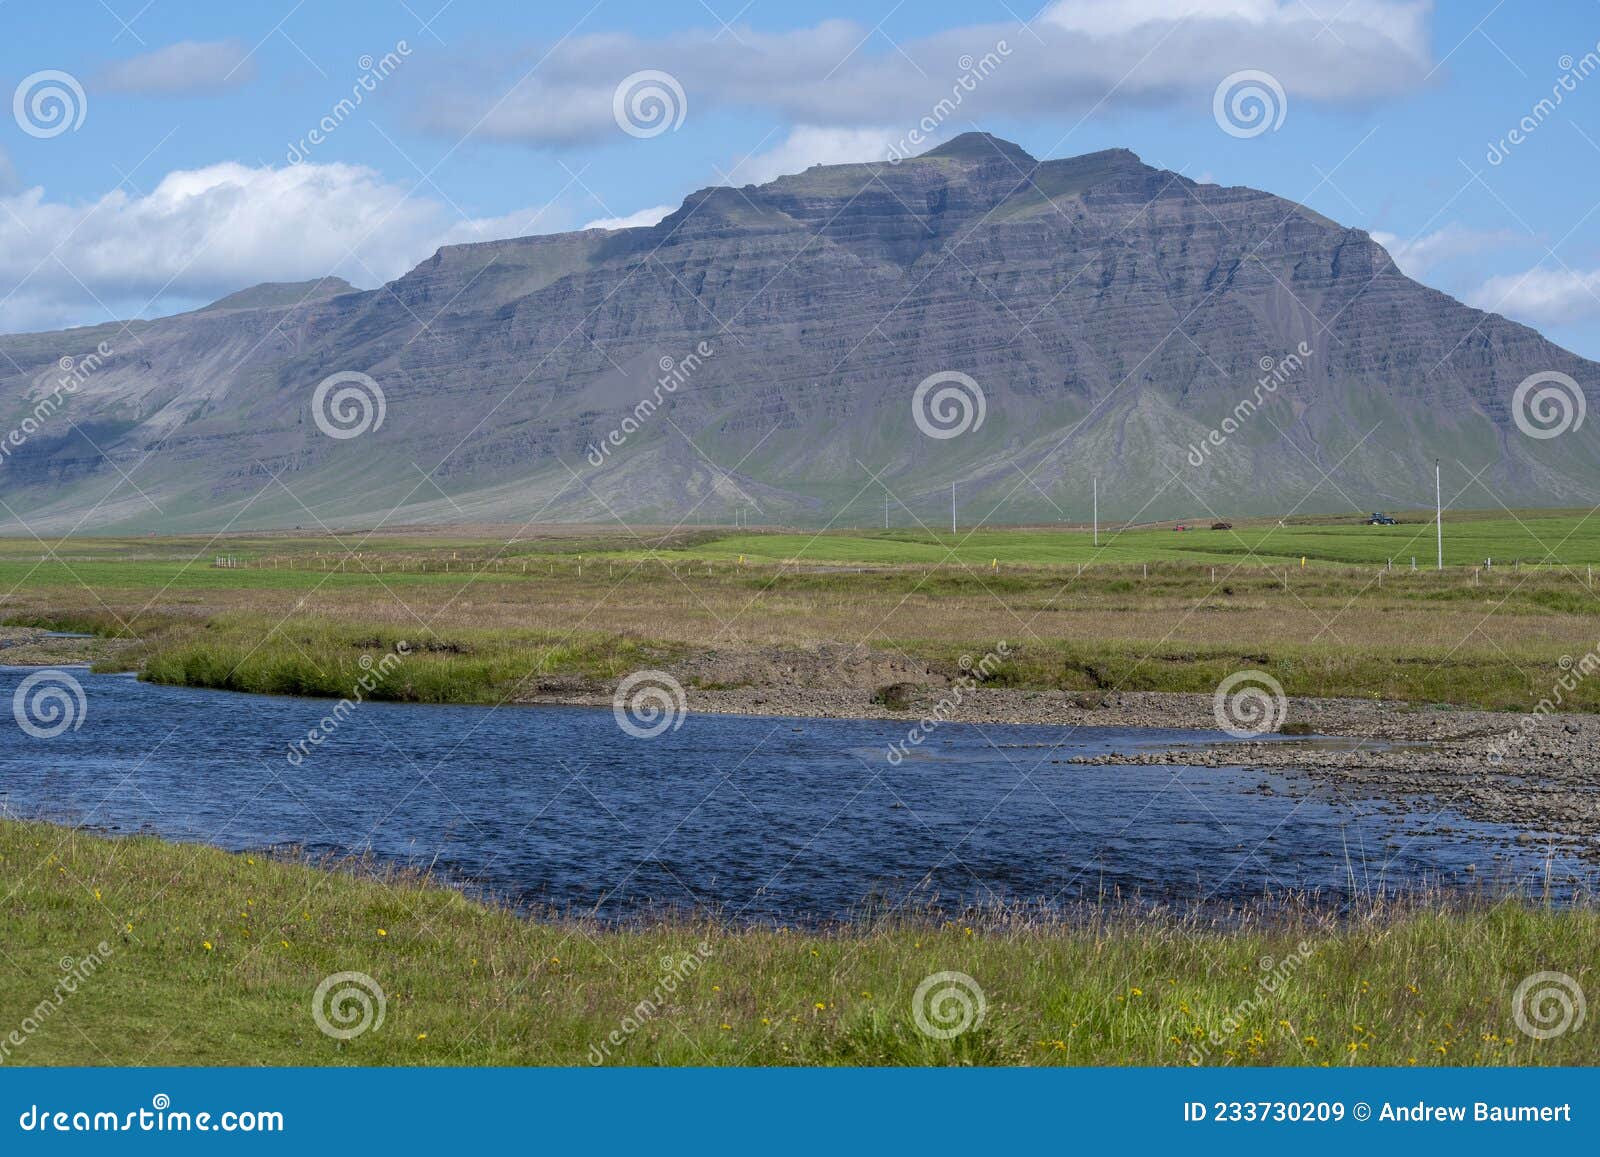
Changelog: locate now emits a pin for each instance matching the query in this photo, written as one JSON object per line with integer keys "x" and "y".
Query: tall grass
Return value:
{"x": 214, "y": 958}
{"x": 325, "y": 658}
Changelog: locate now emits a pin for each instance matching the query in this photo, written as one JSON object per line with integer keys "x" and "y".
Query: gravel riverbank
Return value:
{"x": 30, "y": 647}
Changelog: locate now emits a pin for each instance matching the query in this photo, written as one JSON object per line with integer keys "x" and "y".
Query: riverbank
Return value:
{"x": 183, "y": 954}
{"x": 35, "y": 647}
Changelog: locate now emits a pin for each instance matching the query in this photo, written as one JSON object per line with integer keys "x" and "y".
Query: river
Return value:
{"x": 758, "y": 819}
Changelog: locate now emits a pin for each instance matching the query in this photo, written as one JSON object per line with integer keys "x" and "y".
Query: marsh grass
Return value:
{"x": 215, "y": 957}
{"x": 320, "y": 657}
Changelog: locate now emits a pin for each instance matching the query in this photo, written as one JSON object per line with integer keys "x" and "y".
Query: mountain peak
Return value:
{"x": 976, "y": 146}
{"x": 278, "y": 294}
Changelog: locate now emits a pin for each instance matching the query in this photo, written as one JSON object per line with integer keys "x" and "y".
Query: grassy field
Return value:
{"x": 489, "y": 621}
{"x": 212, "y": 958}
{"x": 1529, "y": 537}
{"x": 1533, "y": 538}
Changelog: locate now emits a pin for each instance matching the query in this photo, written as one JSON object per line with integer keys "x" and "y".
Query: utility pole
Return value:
{"x": 952, "y": 509}
{"x": 886, "y": 508}
{"x": 1438, "y": 512}
{"x": 1097, "y": 512}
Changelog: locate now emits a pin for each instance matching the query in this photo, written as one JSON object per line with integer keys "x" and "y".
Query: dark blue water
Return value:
{"x": 760, "y": 819}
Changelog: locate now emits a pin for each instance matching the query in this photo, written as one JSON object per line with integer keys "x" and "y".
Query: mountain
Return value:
{"x": 276, "y": 294}
{"x": 1112, "y": 315}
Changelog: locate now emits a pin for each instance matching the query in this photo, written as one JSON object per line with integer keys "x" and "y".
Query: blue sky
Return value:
{"x": 497, "y": 119}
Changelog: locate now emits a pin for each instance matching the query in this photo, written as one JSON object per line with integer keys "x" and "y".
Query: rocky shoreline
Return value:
{"x": 32, "y": 647}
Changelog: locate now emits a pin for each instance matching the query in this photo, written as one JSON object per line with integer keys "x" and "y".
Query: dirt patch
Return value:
{"x": 833, "y": 665}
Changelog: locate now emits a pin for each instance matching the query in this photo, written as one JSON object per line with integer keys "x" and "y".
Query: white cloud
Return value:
{"x": 204, "y": 233}
{"x": 641, "y": 219}
{"x": 1419, "y": 256}
{"x": 809, "y": 145}
{"x": 835, "y": 74}
{"x": 1543, "y": 296}
{"x": 185, "y": 67}
{"x": 1402, "y": 24}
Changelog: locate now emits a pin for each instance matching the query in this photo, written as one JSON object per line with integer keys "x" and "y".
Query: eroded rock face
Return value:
{"x": 1113, "y": 314}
